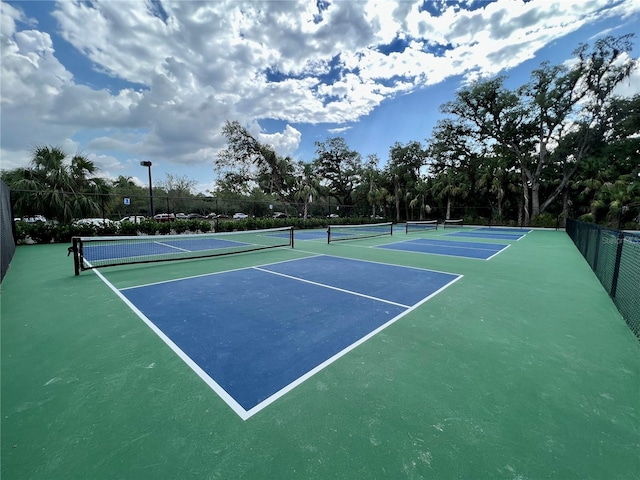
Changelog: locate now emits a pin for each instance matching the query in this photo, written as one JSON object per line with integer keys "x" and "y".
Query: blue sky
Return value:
{"x": 122, "y": 82}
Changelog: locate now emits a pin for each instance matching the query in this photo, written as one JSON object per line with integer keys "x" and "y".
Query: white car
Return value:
{"x": 98, "y": 222}
{"x": 133, "y": 219}
{"x": 240, "y": 216}
{"x": 34, "y": 219}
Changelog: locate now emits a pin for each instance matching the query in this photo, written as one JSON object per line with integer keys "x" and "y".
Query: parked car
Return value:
{"x": 164, "y": 217}
{"x": 33, "y": 219}
{"x": 182, "y": 216}
{"x": 133, "y": 219}
{"x": 98, "y": 222}
{"x": 240, "y": 216}
{"x": 194, "y": 216}
{"x": 333, "y": 215}
{"x": 279, "y": 215}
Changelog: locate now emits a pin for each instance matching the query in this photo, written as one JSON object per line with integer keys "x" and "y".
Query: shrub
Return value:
{"x": 62, "y": 233}
{"x": 544, "y": 220}
{"x": 128, "y": 228}
{"x": 22, "y": 231}
{"x": 149, "y": 227}
{"x": 587, "y": 217}
{"x": 41, "y": 232}
{"x": 164, "y": 228}
{"x": 204, "y": 226}
{"x": 82, "y": 230}
{"x": 224, "y": 225}
{"x": 107, "y": 229}
{"x": 180, "y": 226}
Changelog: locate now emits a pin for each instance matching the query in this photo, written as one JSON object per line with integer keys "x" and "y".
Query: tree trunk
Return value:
{"x": 520, "y": 211}
{"x": 448, "y": 217}
{"x": 525, "y": 200}
{"x": 535, "y": 198}
{"x": 565, "y": 207}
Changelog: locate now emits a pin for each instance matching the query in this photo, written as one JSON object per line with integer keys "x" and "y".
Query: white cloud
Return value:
{"x": 182, "y": 77}
{"x": 284, "y": 143}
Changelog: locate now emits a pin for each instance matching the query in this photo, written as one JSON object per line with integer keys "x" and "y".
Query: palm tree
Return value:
{"x": 422, "y": 189}
{"x": 449, "y": 186}
{"x": 496, "y": 181}
{"x": 57, "y": 187}
{"x": 306, "y": 187}
{"x": 614, "y": 196}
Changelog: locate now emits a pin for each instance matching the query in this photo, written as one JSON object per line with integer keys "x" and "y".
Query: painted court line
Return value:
{"x": 332, "y": 288}
{"x": 375, "y": 261}
{"x": 341, "y": 353}
{"x": 217, "y": 273}
{"x": 172, "y": 246}
{"x": 499, "y": 251}
{"x": 448, "y": 243}
{"x": 446, "y": 248}
{"x": 228, "y": 399}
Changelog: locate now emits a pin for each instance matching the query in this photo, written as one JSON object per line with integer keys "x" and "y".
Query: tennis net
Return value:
{"x": 336, "y": 233}
{"x": 94, "y": 252}
{"x": 421, "y": 226}
{"x": 452, "y": 223}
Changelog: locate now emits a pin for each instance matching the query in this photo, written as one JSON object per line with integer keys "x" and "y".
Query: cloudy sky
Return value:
{"x": 127, "y": 81}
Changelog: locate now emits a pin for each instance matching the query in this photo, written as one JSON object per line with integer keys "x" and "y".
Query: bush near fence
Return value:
{"x": 47, "y": 232}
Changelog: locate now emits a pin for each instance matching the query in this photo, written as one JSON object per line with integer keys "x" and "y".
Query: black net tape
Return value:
{"x": 614, "y": 256}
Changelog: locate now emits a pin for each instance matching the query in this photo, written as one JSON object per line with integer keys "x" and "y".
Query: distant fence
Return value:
{"x": 614, "y": 256}
{"x": 7, "y": 239}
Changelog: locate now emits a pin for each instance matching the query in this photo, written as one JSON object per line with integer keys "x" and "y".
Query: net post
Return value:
{"x": 76, "y": 257}
{"x": 328, "y": 234}
{"x": 391, "y": 233}
{"x": 291, "y": 236}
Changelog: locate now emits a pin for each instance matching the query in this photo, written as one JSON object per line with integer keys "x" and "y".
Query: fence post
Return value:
{"x": 616, "y": 267}
{"x": 597, "y": 252}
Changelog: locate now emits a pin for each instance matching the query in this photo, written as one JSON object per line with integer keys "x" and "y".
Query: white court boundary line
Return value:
{"x": 217, "y": 273}
{"x": 217, "y": 388}
{"x": 222, "y": 393}
{"x": 385, "y": 245}
{"x": 323, "y": 285}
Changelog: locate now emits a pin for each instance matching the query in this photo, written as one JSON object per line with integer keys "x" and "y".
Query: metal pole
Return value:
{"x": 150, "y": 192}
{"x": 148, "y": 165}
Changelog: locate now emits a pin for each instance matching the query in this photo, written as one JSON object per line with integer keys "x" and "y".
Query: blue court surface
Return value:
{"x": 492, "y": 233}
{"x": 255, "y": 333}
{"x": 483, "y": 251}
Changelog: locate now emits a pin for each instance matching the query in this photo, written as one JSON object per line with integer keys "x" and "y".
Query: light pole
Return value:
{"x": 148, "y": 165}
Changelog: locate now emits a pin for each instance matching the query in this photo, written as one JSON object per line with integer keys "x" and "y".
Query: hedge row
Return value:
{"x": 63, "y": 232}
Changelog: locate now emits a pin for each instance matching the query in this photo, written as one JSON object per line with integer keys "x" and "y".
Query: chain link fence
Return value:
{"x": 614, "y": 256}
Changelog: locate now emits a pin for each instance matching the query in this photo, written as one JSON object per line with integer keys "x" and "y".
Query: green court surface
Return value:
{"x": 522, "y": 369}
